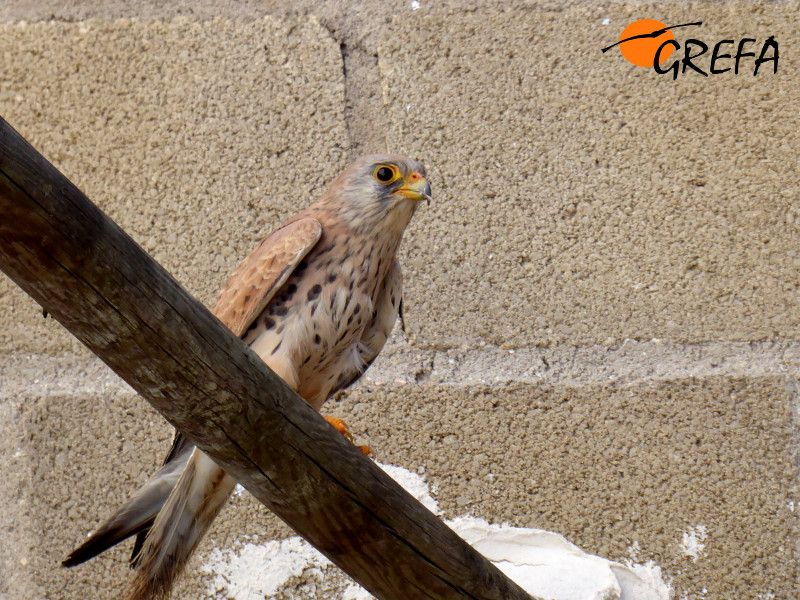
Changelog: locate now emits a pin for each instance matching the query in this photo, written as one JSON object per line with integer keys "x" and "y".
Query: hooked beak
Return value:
{"x": 417, "y": 189}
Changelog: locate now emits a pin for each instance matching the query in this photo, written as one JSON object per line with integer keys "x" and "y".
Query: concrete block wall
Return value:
{"x": 602, "y": 302}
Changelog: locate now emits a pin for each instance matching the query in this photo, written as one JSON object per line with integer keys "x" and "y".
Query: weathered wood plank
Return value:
{"x": 86, "y": 272}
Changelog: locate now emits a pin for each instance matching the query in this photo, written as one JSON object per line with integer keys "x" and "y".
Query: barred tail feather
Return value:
{"x": 196, "y": 500}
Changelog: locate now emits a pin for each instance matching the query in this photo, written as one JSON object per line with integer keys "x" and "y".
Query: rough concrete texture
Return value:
{"x": 601, "y": 302}
{"x": 196, "y": 137}
{"x": 78, "y": 475}
{"x": 624, "y": 470}
{"x": 582, "y": 199}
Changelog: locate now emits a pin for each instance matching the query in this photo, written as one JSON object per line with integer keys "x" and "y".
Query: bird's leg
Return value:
{"x": 342, "y": 428}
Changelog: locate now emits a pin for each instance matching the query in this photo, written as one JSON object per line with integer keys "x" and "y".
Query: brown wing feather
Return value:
{"x": 261, "y": 274}
{"x": 264, "y": 270}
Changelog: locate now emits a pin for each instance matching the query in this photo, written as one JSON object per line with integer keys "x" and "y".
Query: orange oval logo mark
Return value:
{"x": 641, "y": 50}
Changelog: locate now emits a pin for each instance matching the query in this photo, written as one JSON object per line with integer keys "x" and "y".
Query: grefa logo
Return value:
{"x": 649, "y": 43}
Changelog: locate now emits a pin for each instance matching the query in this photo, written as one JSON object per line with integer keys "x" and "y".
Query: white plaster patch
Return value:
{"x": 356, "y": 592}
{"x": 544, "y": 564}
{"x": 257, "y": 571}
{"x": 633, "y": 551}
{"x": 412, "y": 483}
{"x": 692, "y": 541}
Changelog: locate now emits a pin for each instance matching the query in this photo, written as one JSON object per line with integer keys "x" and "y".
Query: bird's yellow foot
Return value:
{"x": 342, "y": 428}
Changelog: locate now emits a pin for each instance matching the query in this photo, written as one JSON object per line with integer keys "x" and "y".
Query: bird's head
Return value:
{"x": 380, "y": 192}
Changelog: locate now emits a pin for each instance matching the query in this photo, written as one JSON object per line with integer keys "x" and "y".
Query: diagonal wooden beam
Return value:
{"x": 91, "y": 276}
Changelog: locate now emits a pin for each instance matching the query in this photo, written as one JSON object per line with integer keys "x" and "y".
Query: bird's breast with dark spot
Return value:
{"x": 314, "y": 292}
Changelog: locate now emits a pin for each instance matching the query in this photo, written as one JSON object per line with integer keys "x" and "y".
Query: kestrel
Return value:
{"x": 316, "y": 300}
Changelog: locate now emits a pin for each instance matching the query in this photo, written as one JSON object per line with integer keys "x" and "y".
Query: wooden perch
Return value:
{"x": 86, "y": 272}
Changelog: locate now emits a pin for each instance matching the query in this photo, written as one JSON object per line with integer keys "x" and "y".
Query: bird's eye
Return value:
{"x": 386, "y": 174}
